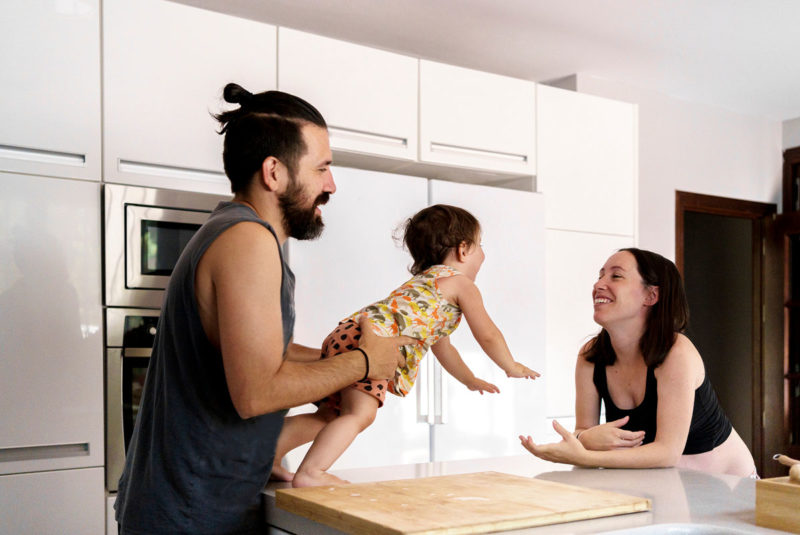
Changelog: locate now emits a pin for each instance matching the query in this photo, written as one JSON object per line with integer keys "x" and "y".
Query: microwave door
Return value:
{"x": 155, "y": 238}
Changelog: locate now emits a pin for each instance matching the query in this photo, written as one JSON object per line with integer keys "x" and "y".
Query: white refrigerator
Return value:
{"x": 358, "y": 261}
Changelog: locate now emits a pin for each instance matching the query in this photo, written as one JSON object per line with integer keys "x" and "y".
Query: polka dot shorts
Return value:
{"x": 343, "y": 339}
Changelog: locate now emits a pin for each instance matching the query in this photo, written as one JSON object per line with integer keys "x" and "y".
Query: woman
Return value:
{"x": 661, "y": 409}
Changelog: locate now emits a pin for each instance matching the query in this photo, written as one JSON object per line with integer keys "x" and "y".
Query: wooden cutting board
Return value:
{"x": 482, "y": 502}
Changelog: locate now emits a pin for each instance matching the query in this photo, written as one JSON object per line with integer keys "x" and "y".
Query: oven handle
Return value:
{"x": 115, "y": 436}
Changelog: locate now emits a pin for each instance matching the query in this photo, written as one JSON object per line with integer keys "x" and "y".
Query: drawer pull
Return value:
{"x": 140, "y": 168}
{"x": 42, "y": 156}
{"x": 480, "y": 153}
{"x": 369, "y": 137}
{"x": 30, "y": 453}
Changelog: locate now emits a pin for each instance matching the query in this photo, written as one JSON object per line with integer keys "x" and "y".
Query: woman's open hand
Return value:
{"x": 568, "y": 451}
{"x": 611, "y": 436}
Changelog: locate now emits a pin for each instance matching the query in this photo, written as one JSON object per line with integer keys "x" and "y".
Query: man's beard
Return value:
{"x": 301, "y": 222}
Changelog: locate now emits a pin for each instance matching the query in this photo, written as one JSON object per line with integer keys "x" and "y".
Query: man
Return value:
{"x": 223, "y": 369}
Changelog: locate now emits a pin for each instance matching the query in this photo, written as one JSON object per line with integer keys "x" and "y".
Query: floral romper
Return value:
{"x": 415, "y": 309}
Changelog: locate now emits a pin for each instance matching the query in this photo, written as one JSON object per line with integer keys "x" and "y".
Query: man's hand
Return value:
{"x": 611, "y": 436}
{"x": 384, "y": 352}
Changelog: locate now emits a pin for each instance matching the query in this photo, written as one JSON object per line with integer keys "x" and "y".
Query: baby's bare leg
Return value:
{"x": 358, "y": 411}
{"x": 298, "y": 430}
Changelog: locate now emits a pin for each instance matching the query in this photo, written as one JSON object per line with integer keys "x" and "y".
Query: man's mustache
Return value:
{"x": 322, "y": 199}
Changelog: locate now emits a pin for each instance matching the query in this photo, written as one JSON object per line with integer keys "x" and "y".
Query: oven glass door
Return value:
{"x": 154, "y": 239}
{"x": 134, "y": 371}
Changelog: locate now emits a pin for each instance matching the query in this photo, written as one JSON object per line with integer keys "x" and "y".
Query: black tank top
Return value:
{"x": 193, "y": 465}
{"x": 710, "y": 426}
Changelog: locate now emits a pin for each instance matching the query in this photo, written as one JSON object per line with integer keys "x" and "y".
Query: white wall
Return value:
{"x": 691, "y": 147}
{"x": 791, "y": 133}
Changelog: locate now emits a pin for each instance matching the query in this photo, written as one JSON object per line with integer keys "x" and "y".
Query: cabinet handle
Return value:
{"x": 30, "y": 453}
{"x": 369, "y": 137}
{"x": 480, "y": 153}
{"x": 42, "y": 156}
{"x": 141, "y": 168}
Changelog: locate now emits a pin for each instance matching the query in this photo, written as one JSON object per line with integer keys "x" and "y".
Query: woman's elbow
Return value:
{"x": 669, "y": 457}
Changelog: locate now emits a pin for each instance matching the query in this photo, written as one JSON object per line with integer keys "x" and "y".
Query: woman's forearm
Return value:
{"x": 653, "y": 455}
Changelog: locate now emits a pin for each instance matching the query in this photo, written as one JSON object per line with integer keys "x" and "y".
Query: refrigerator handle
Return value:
{"x": 441, "y": 394}
{"x": 426, "y": 392}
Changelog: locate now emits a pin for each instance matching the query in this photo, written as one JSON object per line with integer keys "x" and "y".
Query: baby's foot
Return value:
{"x": 279, "y": 473}
{"x": 306, "y": 479}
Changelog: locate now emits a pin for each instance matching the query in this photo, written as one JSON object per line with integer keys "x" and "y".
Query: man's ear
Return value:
{"x": 270, "y": 168}
{"x": 652, "y": 296}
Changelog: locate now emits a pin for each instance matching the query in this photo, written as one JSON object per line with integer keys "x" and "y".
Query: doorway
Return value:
{"x": 719, "y": 253}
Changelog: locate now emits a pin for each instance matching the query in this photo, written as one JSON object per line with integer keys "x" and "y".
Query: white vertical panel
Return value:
{"x": 53, "y": 503}
{"x": 353, "y": 264}
{"x": 51, "y": 357}
{"x": 573, "y": 262}
{"x": 511, "y": 282}
{"x": 50, "y": 75}
{"x": 587, "y": 161}
{"x": 164, "y": 67}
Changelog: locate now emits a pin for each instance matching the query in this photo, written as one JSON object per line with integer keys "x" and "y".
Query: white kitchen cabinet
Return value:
{"x": 51, "y": 353}
{"x": 478, "y": 120}
{"x": 367, "y": 96}
{"x": 573, "y": 261}
{"x": 354, "y": 263}
{"x": 512, "y": 283}
{"x": 50, "y": 74}
{"x": 587, "y": 161}
{"x": 164, "y": 68}
{"x": 58, "y": 502}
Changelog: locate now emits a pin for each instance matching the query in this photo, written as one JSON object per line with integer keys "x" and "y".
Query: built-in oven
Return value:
{"x": 129, "y": 341}
{"x": 144, "y": 232}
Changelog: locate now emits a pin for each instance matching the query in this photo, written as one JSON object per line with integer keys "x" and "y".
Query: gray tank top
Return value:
{"x": 193, "y": 465}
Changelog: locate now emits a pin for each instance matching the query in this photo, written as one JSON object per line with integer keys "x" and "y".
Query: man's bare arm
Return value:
{"x": 244, "y": 267}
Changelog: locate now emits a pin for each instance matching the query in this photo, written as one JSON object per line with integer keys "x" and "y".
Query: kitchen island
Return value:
{"x": 684, "y": 501}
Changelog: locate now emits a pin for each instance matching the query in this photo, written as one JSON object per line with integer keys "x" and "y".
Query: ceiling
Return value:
{"x": 740, "y": 55}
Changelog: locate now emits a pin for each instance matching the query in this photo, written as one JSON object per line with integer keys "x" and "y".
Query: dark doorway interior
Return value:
{"x": 719, "y": 251}
{"x": 718, "y": 274}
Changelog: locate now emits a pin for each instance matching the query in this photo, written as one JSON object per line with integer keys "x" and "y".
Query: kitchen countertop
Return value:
{"x": 684, "y": 501}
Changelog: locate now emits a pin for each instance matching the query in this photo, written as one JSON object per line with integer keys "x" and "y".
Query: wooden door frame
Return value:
{"x": 755, "y": 211}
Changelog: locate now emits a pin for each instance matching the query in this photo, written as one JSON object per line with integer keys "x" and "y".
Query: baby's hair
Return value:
{"x": 430, "y": 234}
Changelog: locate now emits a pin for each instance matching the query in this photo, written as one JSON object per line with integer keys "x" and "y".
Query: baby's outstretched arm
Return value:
{"x": 451, "y": 361}
{"x": 485, "y": 331}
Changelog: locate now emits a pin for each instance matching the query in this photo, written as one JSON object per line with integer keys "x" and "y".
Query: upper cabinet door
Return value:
{"x": 587, "y": 161}
{"x": 50, "y": 74}
{"x": 367, "y": 96}
{"x": 478, "y": 120}
{"x": 165, "y": 66}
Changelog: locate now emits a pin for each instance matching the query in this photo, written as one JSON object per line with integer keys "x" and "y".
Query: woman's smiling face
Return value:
{"x": 620, "y": 293}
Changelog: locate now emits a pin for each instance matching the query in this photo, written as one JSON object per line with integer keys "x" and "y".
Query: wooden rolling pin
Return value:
{"x": 793, "y": 464}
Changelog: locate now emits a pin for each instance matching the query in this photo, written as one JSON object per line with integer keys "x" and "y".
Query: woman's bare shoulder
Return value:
{"x": 683, "y": 360}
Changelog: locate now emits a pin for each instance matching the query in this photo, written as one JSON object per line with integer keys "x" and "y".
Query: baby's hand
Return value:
{"x": 482, "y": 386}
{"x": 520, "y": 370}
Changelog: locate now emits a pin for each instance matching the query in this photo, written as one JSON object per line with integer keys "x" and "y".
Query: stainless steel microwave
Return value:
{"x": 145, "y": 230}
